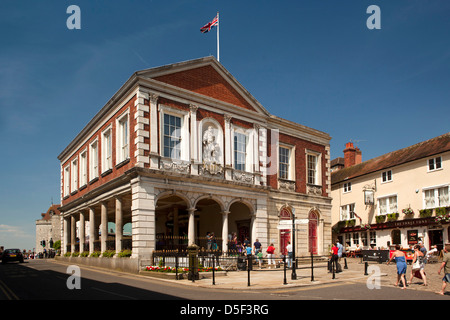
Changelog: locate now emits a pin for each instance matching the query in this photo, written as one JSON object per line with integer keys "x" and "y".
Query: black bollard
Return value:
{"x": 366, "y": 265}
{"x": 284, "y": 262}
{"x": 345, "y": 263}
{"x": 333, "y": 266}
{"x": 249, "y": 258}
{"x": 312, "y": 267}
{"x": 213, "y": 270}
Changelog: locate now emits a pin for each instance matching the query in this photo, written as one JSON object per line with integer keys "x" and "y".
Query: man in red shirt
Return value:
{"x": 335, "y": 258}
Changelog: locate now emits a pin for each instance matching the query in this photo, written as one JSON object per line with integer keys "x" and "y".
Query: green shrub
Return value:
{"x": 108, "y": 253}
{"x": 124, "y": 254}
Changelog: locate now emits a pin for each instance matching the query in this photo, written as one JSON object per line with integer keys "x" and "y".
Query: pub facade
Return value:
{"x": 401, "y": 197}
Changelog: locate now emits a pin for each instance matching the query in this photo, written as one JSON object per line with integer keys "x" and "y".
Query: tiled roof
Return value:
{"x": 47, "y": 215}
{"x": 418, "y": 151}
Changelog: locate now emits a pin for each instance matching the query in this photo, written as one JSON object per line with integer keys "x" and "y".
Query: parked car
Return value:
{"x": 12, "y": 255}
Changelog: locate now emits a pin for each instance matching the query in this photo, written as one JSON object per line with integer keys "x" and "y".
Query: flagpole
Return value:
{"x": 218, "y": 26}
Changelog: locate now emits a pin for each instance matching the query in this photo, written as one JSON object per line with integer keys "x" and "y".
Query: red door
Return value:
{"x": 285, "y": 237}
{"x": 312, "y": 227}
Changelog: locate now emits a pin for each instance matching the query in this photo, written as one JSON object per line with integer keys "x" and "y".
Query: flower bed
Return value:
{"x": 168, "y": 269}
{"x": 166, "y": 272}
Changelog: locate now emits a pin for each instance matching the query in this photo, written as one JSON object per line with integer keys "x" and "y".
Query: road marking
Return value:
{"x": 7, "y": 291}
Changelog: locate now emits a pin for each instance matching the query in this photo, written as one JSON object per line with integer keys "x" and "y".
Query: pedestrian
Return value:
{"x": 208, "y": 240}
{"x": 248, "y": 250}
{"x": 424, "y": 251}
{"x": 400, "y": 259}
{"x": 289, "y": 254}
{"x": 257, "y": 246}
{"x": 446, "y": 266}
{"x": 270, "y": 255}
{"x": 246, "y": 242}
{"x": 335, "y": 258}
{"x": 213, "y": 241}
{"x": 340, "y": 250}
{"x": 418, "y": 265}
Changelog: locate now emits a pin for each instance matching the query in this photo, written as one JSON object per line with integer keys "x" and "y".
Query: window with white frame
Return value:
{"x": 240, "y": 151}
{"x": 66, "y": 184}
{"x": 434, "y": 164}
{"x": 83, "y": 168}
{"x": 436, "y": 197}
{"x": 386, "y": 176}
{"x": 348, "y": 239}
{"x": 122, "y": 136}
{"x": 348, "y": 212}
{"x": 355, "y": 238}
{"x": 107, "y": 150}
{"x": 347, "y": 187}
{"x": 93, "y": 160}
{"x": 364, "y": 239}
{"x": 172, "y": 136}
{"x": 313, "y": 168}
{"x": 373, "y": 238}
{"x": 387, "y": 205}
{"x": 284, "y": 160}
{"x": 74, "y": 176}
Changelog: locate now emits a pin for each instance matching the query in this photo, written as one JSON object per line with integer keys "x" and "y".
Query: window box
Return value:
{"x": 442, "y": 211}
{"x": 392, "y": 216}
{"x": 380, "y": 218}
{"x": 425, "y": 213}
{"x": 350, "y": 223}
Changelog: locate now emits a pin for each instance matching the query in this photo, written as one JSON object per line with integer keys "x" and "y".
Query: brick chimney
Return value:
{"x": 352, "y": 155}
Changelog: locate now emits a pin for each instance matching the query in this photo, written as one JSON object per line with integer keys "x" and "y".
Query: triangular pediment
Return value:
{"x": 207, "y": 77}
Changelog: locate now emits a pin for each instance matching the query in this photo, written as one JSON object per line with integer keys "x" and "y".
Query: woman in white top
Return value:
{"x": 418, "y": 266}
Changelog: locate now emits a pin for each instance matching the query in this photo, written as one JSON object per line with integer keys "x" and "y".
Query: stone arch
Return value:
{"x": 218, "y": 200}
{"x": 170, "y": 193}
{"x": 248, "y": 203}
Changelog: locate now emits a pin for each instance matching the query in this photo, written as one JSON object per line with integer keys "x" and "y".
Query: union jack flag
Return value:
{"x": 207, "y": 27}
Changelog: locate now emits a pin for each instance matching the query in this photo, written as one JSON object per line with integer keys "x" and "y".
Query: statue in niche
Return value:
{"x": 211, "y": 149}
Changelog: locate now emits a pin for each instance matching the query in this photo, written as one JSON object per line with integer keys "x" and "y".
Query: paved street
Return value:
{"x": 47, "y": 280}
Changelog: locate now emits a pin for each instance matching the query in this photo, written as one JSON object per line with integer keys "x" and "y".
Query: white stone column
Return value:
{"x": 82, "y": 231}
{"x": 140, "y": 132}
{"x": 119, "y": 225}
{"x": 154, "y": 154}
{"x": 73, "y": 232}
{"x": 91, "y": 229}
{"x": 104, "y": 222}
{"x": 191, "y": 226}
{"x": 194, "y": 139}
{"x": 260, "y": 222}
{"x": 143, "y": 218}
{"x": 66, "y": 226}
{"x": 225, "y": 230}
{"x": 228, "y": 147}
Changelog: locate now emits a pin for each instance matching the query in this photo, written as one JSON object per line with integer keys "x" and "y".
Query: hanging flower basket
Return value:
{"x": 365, "y": 226}
{"x": 408, "y": 212}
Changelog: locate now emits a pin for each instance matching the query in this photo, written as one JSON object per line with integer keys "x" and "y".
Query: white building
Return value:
{"x": 372, "y": 200}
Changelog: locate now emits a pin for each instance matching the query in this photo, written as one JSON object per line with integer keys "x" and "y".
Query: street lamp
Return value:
{"x": 293, "y": 275}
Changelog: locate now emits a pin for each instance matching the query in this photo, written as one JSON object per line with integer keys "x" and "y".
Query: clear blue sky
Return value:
{"x": 314, "y": 62}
